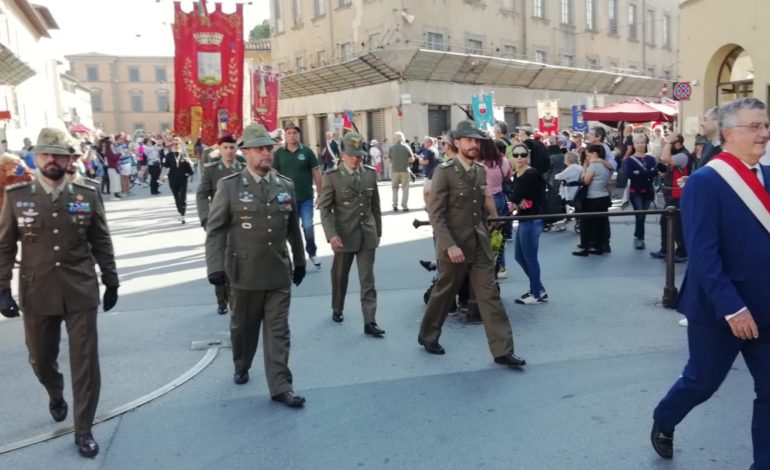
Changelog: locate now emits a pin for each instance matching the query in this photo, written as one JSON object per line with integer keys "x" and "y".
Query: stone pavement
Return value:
{"x": 601, "y": 353}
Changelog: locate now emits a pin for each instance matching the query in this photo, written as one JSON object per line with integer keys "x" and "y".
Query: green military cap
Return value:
{"x": 351, "y": 144}
{"x": 53, "y": 141}
{"x": 255, "y": 136}
{"x": 74, "y": 147}
{"x": 468, "y": 129}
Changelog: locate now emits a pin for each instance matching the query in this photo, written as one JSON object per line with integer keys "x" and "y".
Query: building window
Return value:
{"x": 590, "y": 18}
{"x": 133, "y": 74}
{"x": 278, "y": 13}
{"x": 165, "y": 126}
{"x": 474, "y": 46}
{"x": 160, "y": 75}
{"x": 612, "y": 13}
{"x": 666, "y": 31}
{"x": 649, "y": 27}
{"x": 92, "y": 73}
{"x": 434, "y": 41}
{"x": 300, "y": 62}
{"x": 320, "y": 7}
{"x": 566, "y": 11}
{"x": 651, "y": 71}
{"x": 163, "y": 103}
{"x": 593, "y": 63}
{"x": 342, "y": 3}
{"x": 297, "y": 11}
{"x": 567, "y": 60}
{"x": 136, "y": 101}
{"x": 667, "y": 75}
{"x": 540, "y": 56}
{"x": 632, "y": 22}
{"x": 346, "y": 51}
{"x": 96, "y": 100}
{"x": 538, "y": 8}
{"x": 509, "y": 51}
{"x": 138, "y": 126}
{"x": 320, "y": 58}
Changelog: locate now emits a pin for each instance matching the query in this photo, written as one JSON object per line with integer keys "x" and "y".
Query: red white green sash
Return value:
{"x": 745, "y": 184}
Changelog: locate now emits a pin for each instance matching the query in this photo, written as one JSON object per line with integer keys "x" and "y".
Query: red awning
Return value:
{"x": 635, "y": 110}
{"x": 5, "y": 115}
{"x": 79, "y": 129}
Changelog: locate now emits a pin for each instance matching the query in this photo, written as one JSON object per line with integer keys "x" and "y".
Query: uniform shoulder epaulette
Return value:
{"x": 210, "y": 164}
{"x": 332, "y": 170}
{"x": 478, "y": 163}
{"x": 86, "y": 183}
{"x": 370, "y": 167}
{"x": 11, "y": 187}
{"x": 229, "y": 177}
{"x": 447, "y": 163}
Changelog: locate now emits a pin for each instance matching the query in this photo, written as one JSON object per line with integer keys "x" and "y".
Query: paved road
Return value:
{"x": 601, "y": 353}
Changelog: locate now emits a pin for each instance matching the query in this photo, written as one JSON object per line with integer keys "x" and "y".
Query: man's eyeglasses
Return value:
{"x": 756, "y": 126}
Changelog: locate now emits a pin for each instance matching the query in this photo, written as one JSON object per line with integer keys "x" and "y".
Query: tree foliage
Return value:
{"x": 260, "y": 31}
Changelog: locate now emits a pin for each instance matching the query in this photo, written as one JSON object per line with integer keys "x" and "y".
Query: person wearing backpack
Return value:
{"x": 676, "y": 164}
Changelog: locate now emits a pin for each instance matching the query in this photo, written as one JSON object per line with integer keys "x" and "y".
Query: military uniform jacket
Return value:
{"x": 457, "y": 211}
{"x": 59, "y": 243}
{"x": 351, "y": 212}
{"x": 246, "y": 234}
{"x": 211, "y": 174}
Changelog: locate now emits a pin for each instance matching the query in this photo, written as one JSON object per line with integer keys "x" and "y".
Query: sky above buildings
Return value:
{"x": 128, "y": 27}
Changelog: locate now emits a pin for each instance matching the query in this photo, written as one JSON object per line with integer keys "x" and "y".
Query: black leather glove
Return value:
{"x": 8, "y": 306}
{"x": 298, "y": 275}
{"x": 110, "y": 297}
{"x": 203, "y": 223}
{"x": 218, "y": 278}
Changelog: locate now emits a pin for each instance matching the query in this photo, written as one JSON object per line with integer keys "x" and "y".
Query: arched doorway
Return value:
{"x": 736, "y": 77}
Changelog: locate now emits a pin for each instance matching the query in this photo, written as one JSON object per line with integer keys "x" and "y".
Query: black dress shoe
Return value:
{"x": 580, "y": 253}
{"x": 428, "y": 265}
{"x": 395, "y": 209}
{"x": 432, "y": 348}
{"x": 87, "y": 446}
{"x": 595, "y": 251}
{"x": 290, "y": 399}
{"x": 241, "y": 377}
{"x": 373, "y": 329}
{"x": 511, "y": 360}
{"x": 337, "y": 316}
{"x": 222, "y": 310}
{"x": 58, "y": 410}
{"x": 606, "y": 248}
{"x": 662, "y": 442}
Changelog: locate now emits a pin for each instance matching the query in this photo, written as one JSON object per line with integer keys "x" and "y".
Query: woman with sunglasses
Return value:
{"x": 528, "y": 199}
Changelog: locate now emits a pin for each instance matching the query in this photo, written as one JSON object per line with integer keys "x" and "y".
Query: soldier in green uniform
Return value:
{"x": 457, "y": 214}
{"x": 62, "y": 229}
{"x": 252, "y": 217}
{"x": 350, "y": 215}
{"x": 211, "y": 174}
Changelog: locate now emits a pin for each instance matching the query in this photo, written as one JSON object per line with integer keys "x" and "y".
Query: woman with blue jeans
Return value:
{"x": 528, "y": 199}
{"x": 641, "y": 171}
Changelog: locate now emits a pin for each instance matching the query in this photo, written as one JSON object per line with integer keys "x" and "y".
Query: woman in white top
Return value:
{"x": 656, "y": 142}
{"x": 570, "y": 174}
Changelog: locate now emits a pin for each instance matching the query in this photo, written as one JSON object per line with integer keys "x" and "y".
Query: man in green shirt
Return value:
{"x": 298, "y": 163}
{"x": 400, "y": 158}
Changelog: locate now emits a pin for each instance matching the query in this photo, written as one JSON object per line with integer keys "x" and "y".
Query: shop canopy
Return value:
{"x": 635, "y": 110}
{"x": 79, "y": 129}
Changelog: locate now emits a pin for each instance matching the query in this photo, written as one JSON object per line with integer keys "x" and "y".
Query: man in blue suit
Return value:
{"x": 726, "y": 221}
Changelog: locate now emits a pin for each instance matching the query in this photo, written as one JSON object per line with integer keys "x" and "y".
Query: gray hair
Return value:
{"x": 571, "y": 157}
{"x": 712, "y": 110}
{"x": 501, "y": 127}
{"x": 728, "y": 114}
{"x": 399, "y": 137}
{"x": 641, "y": 137}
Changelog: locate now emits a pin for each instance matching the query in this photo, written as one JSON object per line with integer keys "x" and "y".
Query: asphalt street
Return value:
{"x": 600, "y": 354}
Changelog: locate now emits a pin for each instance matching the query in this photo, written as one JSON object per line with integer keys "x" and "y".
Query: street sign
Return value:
{"x": 337, "y": 122}
{"x": 406, "y": 98}
{"x": 682, "y": 91}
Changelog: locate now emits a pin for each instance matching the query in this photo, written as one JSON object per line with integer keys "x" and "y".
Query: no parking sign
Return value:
{"x": 682, "y": 91}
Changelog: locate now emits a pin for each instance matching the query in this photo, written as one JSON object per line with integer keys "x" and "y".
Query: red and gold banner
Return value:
{"x": 266, "y": 87}
{"x": 208, "y": 72}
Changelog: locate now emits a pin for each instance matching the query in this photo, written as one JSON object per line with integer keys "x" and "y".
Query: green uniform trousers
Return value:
{"x": 222, "y": 293}
{"x": 482, "y": 279}
{"x": 43, "y": 334}
{"x": 340, "y": 273}
{"x": 251, "y": 308}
